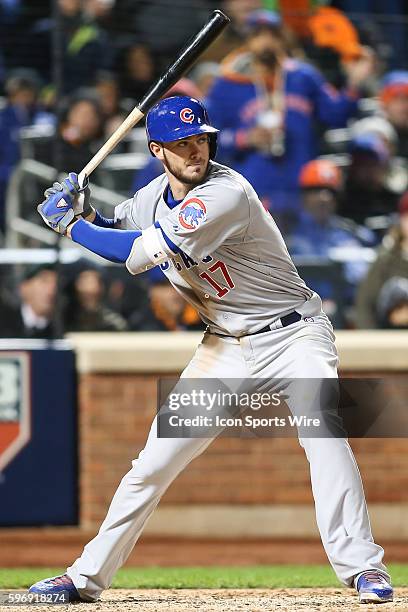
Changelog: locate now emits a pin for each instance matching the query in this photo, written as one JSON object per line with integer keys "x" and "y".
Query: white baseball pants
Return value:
{"x": 302, "y": 350}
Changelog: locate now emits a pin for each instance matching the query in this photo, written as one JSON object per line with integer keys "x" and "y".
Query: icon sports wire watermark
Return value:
{"x": 329, "y": 407}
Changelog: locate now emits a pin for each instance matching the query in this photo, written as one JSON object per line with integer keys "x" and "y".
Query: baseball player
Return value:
{"x": 204, "y": 224}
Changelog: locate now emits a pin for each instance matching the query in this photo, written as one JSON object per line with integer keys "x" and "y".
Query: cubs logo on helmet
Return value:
{"x": 187, "y": 115}
{"x": 192, "y": 214}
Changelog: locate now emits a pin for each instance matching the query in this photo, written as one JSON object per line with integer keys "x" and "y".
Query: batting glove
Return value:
{"x": 64, "y": 202}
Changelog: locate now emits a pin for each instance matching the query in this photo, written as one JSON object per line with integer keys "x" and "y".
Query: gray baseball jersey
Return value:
{"x": 233, "y": 265}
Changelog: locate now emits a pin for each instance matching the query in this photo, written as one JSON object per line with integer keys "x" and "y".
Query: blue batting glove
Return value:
{"x": 81, "y": 193}
{"x": 63, "y": 202}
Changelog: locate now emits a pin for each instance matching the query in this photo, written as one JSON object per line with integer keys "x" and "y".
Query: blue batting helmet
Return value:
{"x": 179, "y": 117}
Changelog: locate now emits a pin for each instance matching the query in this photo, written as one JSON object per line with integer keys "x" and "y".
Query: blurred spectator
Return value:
{"x": 397, "y": 175}
{"x": 366, "y": 193}
{"x": 85, "y": 47}
{"x": 10, "y": 12}
{"x": 153, "y": 168}
{"x": 392, "y": 305}
{"x": 390, "y": 18}
{"x": 20, "y": 110}
{"x": 265, "y": 104}
{"x": 80, "y": 128}
{"x": 328, "y": 37}
{"x": 86, "y": 310}
{"x": 125, "y": 294}
{"x": 166, "y": 310}
{"x": 204, "y": 75}
{"x": 238, "y": 11}
{"x": 325, "y": 36}
{"x": 184, "y": 87}
{"x": 392, "y": 261}
{"x": 232, "y": 37}
{"x": 107, "y": 88}
{"x": 379, "y": 126}
{"x": 98, "y": 11}
{"x": 166, "y": 25}
{"x": 320, "y": 229}
{"x": 137, "y": 70}
{"x": 394, "y": 98}
{"x": 32, "y": 316}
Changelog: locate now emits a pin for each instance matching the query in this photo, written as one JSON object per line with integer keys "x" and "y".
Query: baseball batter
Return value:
{"x": 205, "y": 226}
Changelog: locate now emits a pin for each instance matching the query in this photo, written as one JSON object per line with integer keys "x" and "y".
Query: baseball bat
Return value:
{"x": 189, "y": 54}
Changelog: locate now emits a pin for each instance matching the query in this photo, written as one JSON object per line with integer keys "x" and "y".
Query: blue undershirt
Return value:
{"x": 169, "y": 199}
{"x": 101, "y": 221}
{"x": 101, "y": 238}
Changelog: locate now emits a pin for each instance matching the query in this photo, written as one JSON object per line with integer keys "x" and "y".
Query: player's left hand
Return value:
{"x": 65, "y": 201}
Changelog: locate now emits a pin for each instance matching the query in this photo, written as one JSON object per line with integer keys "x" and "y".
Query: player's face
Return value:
{"x": 187, "y": 160}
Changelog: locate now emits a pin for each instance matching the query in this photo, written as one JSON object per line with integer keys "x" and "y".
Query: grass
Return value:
{"x": 257, "y": 576}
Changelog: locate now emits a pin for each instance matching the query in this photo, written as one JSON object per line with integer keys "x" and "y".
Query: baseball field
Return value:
{"x": 250, "y": 588}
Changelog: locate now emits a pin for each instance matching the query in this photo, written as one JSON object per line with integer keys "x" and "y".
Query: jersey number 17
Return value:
{"x": 219, "y": 265}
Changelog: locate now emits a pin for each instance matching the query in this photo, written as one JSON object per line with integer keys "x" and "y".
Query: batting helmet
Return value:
{"x": 179, "y": 117}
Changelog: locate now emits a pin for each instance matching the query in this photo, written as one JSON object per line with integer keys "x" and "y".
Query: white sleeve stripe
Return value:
{"x": 153, "y": 245}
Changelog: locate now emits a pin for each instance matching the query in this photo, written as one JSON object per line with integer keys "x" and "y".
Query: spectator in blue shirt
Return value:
{"x": 394, "y": 99}
{"x": 266, "y": 103}
{"x": 20, "y": 111}
{"x": 367, "y": 192}
{"x": 320, "y": 230}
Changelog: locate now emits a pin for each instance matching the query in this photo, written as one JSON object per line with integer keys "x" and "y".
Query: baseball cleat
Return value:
{"x": 373, "y": 587}
{"x": 57, "y": 585}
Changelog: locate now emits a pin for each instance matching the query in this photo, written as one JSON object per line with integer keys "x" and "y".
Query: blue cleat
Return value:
{"x": 373, "y": 587}
{"x": 58, "y": 585}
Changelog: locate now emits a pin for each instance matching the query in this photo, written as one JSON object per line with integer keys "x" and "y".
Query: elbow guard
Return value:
{"x": 148, "y": 250}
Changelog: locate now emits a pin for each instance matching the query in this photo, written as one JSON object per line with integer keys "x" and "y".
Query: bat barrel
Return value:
{"x": 185, "y": 61}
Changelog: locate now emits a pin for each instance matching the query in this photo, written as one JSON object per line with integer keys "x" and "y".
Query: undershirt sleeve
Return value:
{"x": 112, "y": 244}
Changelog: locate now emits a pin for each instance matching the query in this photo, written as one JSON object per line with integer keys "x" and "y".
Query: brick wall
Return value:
{"x": 115, "y": 414}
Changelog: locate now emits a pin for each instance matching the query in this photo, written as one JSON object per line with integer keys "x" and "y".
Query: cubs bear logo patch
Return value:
{"x": 192, "y": 213}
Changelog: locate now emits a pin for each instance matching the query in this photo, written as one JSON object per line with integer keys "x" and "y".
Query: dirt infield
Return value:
{"x": 248, "y": 600}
